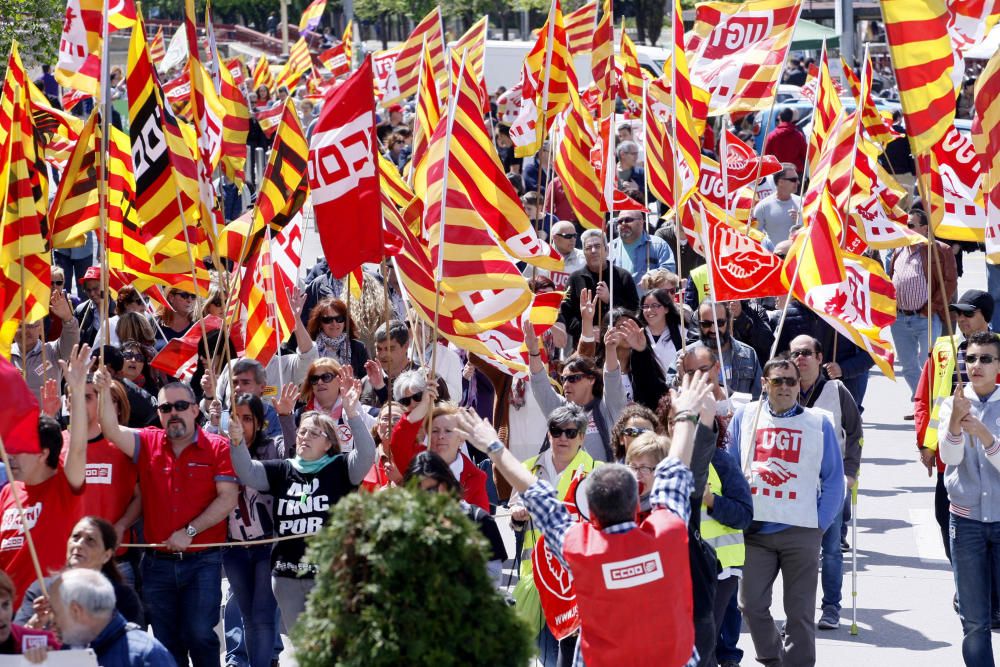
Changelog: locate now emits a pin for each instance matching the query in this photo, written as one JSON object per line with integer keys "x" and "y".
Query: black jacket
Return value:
{"x": 625, "y": 292}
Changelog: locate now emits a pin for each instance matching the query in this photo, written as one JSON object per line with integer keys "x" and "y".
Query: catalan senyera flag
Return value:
{"x": 235, "y": 126}
{"x": 428, "y": 110}
{"x": 311, "y": 16}
{"x": 392, "y": 184}
{"x": 267, "y": 283}
{"x": 874, "y": 211}
{"x": 828, "y": 110}
{"x": 262, "y": 75}
{"x": 157, "y": 48}
{"x": 602, "y": 61}
{"x": 688, "y": 139}
{"x": 430, "y": 32}
{"x": 335, "y": 60}
{"x": 817, "y": 249}
{"x": 79, "y": 64}
{"x": 540, "y": 85}
{"x": 917, "y": 35}
{"x": 737, "y": 51}
{"x": 987, "y": 141}
{"x": 75, "y": 210}
{"x": 16, "y": 78}
{"x": 479, "y": 194}
{"x": 632, "y": 75}
{"x": 23, "y": 224}
{"x": 879, "y": 130}
{"x": 473, "y": 46}
{"x": 347, "y": 40}
{"x": 581, "y": 183}
{"x": 165, "y": 172}
{"x": 580, "y": 28}
{"x": 298, "y": 63}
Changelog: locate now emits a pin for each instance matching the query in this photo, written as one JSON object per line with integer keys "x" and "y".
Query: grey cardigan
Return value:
{"x": 610, "y": 405}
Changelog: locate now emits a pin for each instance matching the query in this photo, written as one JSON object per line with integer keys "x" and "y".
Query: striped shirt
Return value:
{"x": 910, "y": 280}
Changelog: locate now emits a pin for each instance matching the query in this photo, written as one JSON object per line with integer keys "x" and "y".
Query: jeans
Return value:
{"x": 725, "y": 592}
{"x": 251, "y": 598}
{"x": 909, "y": 333}
{"x": 993, "y": 286}
{"x": 553, "y": 652}
{"x": 832, "y": 559}
{"x": 73, "y": 270}
{"x": 183, "y": 599}
{"x": 975, "y": 553}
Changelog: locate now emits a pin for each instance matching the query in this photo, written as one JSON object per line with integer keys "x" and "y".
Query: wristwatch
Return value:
{"x": 494, "y": 447}
{"x": 190, "y": 530}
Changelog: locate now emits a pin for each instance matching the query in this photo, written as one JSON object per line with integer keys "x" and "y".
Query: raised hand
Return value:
{"x": 587, "y": 305}
{"x": 350, "y": 394}
{"x": 286, "y": 401}
{"x": 75, "y": 372}
{"x": 215, "y": 412}
{"x": 633, "y": 335}
{"x": 235, "y": 431}
{"x": 695, "y": 391}
{"x": 960, "y": 408}
{"x": 373, "y": 370}
{"x": 475, "y": 430}
{"x": 51, "y": 400}
{"x": 297, "y": 300}
{"x": 59, "y": 305}
{"x": 530, "y": 339}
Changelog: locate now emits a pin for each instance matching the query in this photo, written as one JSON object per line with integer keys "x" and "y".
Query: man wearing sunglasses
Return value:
{"x": 636, "y": 251}
{"x": 815, "y": 391}
{"x": 969, "y": 444}
{"x": 788, "y": 453}
{"x": 942, "y": 372}
{"x": 188, "y": 488}
{"x": 739, "y": 360}
{"x": 88, "y": 313}
{"x": 776, "y": 213}
{"x": 564, "y": 237}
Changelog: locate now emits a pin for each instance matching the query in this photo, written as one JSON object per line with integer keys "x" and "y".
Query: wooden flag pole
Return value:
{"x": 676, "y": 186}
{"x": 546, "y": 82}
{"x": 24, "y": 524}
{"x": 102, "y": 161}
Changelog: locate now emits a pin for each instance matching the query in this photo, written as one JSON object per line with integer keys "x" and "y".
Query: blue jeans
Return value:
{"x": 254, "y": 609}
{"x": 73, "y": 270}
{"x": 993, "y": 286}
{"x": 909, "y": 333}
{"x": 183, "y": 598}
{"x": 975, "y": 554}
{"x": 832, "y": 560}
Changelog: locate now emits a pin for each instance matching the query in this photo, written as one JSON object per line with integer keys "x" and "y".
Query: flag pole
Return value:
{"x": 819, "y": 81}
{"x": 546, "y": 81}
{"x": 675, "y": 185}
{"x": 645, "y": 172}
{"x": 271, "y": 292}
{"x": 416, "y": 116}
{"x": 706, "y": 244}
{"x": 102, "y": 161}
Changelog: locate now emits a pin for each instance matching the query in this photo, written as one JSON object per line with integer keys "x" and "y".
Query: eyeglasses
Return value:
{"x": 415, "y": 398}
{"x": 557, "y": 432}
{"x": 573, "y": 378}
{"x": 566, "y": 236}
{"x": 705, "y": 324}
{"x": 983, "y": 359}
{"x": 330, "y": 319}
{"x": 643, "y": 469}
{"x": 310, "y": 433}
{"x": 179, "y": 406}
{"x": 795, "y": 354}
{"x": 325, "y": 378}
{"x": 656, "y": 305}
{"x": 634, "y": 431}
{"x": 778, "y": 381}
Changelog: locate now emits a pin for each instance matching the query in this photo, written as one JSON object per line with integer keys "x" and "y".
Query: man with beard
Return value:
{"x": 739, "y": 361}
{"x": 188, "y": 488}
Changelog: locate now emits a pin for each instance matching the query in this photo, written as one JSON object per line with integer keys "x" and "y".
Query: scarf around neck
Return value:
{"x": 333, "y": 347}
{"x": 310, "y": 467}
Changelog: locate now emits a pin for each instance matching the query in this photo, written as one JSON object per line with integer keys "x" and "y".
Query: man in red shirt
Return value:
{"x": 188, "y": 489}
{"x": 50, "y": 493}
{"x": 786, "y": 141}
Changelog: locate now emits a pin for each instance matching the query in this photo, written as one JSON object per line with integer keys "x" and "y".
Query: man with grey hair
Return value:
{"x": 249, "y": 377}
{"x": 595, "y": 277}
{"x": 628, "y": 169}
{"x": 776, "y": 213}
{"x": 564, "y": 238}
{"x": 630, "y": 609}
{"x": 83, "y": 606}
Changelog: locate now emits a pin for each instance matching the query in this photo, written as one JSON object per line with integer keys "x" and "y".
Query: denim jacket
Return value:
{"x": 741, "y": 368}
{"x": 972, "y": 475}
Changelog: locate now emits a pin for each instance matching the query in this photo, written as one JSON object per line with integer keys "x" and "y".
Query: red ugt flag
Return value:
{"x": 343, "y": 175}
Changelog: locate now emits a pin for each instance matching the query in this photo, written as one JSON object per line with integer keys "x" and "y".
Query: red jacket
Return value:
{"x": 403, "y": 446}
{"x": 922, "y": 409}
{"x": 787, "y": 143}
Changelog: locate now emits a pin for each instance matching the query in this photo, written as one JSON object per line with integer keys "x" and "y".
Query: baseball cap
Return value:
{"x": 93, "y": 273}
{"x": 975, "y": 299}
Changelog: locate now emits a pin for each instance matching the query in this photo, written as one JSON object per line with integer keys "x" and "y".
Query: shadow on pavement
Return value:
{"x": 876, "y": 629}
{"x": 905, "y": 460}
{"x": 880, "y": 493}
{"x": 871, "y": 559}
{"x": 889, "y": 427}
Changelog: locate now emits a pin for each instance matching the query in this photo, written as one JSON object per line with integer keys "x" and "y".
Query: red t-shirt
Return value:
{"x": 111, "y": 478}
{"x": 176, "y": 490}
{"x": 52, "y": 509}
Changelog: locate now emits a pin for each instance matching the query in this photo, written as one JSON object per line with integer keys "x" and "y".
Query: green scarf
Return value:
{"x": 310, "y": 467}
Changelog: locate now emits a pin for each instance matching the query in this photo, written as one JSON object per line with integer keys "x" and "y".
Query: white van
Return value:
{"x": 503, "y": 63}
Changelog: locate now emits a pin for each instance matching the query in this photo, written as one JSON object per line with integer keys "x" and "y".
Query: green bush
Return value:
{"x": 403, "y": 581}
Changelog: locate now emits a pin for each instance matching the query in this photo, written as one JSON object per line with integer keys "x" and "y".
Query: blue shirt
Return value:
{"x": 830, "y": 501}
{"x": 660, "y": 256}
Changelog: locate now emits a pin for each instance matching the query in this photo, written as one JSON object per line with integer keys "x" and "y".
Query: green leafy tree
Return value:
{"x": 403, "y": 582}
{"x": 37, "y": 27}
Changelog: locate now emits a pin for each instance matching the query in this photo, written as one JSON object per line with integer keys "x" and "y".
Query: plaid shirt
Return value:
{"x": 672, "y": 490}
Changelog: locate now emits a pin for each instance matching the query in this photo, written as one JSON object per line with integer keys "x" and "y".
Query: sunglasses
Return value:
{"x": 795, "y": 354}
{"x": 979, "y": 358}
{"x": 330, "y": 319}
{"x": 567, "y": 236}
{"x": 557, "y": 432}
{"x": 793, "y": 180}
{"x": 705, "y": 324}
{"x": 777, "y": 382}
{"x": 415, "y": 398}
{"x": 133, "y": 356}
{"x": 633, "y": 431}
{"x": 573, "y": 377}
{"x": 179, "y": 406}
{"x": 629, "y": 220}
{"x": 57, "y": 283}
{"x": 325, "y": 378}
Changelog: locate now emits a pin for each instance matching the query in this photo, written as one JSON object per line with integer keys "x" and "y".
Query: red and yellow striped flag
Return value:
{"x": 828, "y": 110}
{"x": 632, "y": 74}
{"x": 428, "y": 110}
{"x": 235, "y": 126}
{"x": 298, "y": 63}
{"x": 262, "y": 75}
{"x": 917, "y": 34}
{"x": 347, "y": 41}
{"x": 23, "y": 227}
{"x": 79, "y": 65}
{"x": 473, "y": 46}
{"x": 688, "y": 140}
{"x": 580, "y": 181}
{"x": 986, "y": 137}
{"x": 878, "y": 128}
{"x": 485, "y": 222}
{"x": 407, "y": 63}
{"x": 817, "y": 249}
{"x": 580, "y": 28}
{"x": 157, "y": 50}
{"x": 75, "y": 209}
{"x": 602, "y": 61}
